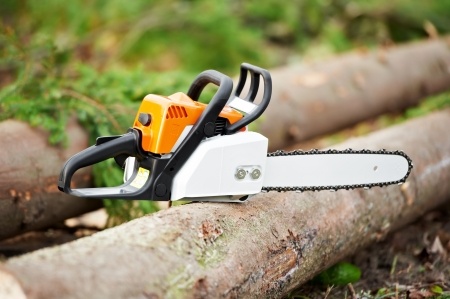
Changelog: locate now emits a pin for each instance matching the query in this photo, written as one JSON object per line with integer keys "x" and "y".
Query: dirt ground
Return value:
{"x": 413, "y": 262}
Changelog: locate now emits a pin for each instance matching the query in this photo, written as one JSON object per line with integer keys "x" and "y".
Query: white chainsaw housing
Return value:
{"x": 211, "y": 171}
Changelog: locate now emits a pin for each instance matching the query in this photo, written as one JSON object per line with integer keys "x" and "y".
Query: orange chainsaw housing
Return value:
{"x": 166, "y": 117}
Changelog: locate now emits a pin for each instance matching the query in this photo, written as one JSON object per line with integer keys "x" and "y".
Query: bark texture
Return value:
{"x": 262, "y": 248}
{"x": 29, "y": 195}
{"x": 315, "y": 99}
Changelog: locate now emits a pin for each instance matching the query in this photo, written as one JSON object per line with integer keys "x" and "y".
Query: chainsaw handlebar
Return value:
{"x": 254, "y": 110}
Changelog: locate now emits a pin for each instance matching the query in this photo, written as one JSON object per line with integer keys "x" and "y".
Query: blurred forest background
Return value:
{"x": 97, "y": 59}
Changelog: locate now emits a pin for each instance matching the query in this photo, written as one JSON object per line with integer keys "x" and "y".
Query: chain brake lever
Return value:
{"x": 246, "y": 105}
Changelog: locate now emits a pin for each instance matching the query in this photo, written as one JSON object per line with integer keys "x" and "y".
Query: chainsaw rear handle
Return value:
{"x": 127, "y": 144}
{"x": 255, "y": 74}
{"x": 161, "y": 169}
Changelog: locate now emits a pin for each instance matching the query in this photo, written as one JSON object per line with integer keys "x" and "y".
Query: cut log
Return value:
{"x": 29, "y": 170}
{"x": 262, "y": 248}
{"x": 310, "y": 100}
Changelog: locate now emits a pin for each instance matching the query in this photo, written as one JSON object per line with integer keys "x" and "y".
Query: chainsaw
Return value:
{"x": 180, "y": 148}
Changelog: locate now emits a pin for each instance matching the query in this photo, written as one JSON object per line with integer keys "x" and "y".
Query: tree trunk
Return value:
{"x": 316, "y": 99}
{"x": 262, "y": 248}
{"x": 29, "y": 196}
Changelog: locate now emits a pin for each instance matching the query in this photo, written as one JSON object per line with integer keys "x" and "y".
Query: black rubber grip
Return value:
{"x": 125, "y": 144}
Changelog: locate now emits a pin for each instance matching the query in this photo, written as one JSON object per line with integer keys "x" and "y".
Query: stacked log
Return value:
{"x": 265, "y": 247}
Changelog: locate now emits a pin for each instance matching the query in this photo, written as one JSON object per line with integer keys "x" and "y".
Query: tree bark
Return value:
{"x": 30, "y": 166}
{"x": 316, "y": 99}
{"x": 265, "y": 247}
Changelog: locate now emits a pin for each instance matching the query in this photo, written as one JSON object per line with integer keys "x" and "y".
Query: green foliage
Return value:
{"x": 340, "y": 274}
{"x": 161, "y": 35}
{"x": 429, "y": 105}
{"x": 201, "y": 34}
{"x": 436, "y": 289}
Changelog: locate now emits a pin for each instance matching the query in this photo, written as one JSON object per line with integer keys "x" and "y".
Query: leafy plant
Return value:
{"x": 339, "y": 274}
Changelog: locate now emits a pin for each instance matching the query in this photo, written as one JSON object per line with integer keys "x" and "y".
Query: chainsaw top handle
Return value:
{"x": 211, "y": 76}
{"x": 162, "y": 169}
{"x": 252, "y": 111}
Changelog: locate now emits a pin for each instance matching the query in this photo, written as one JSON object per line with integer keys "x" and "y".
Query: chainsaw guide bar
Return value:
{"x": 281, "y": 153}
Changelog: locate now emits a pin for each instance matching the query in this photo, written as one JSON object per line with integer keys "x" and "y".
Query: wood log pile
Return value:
{"x": 265, "y": 247}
